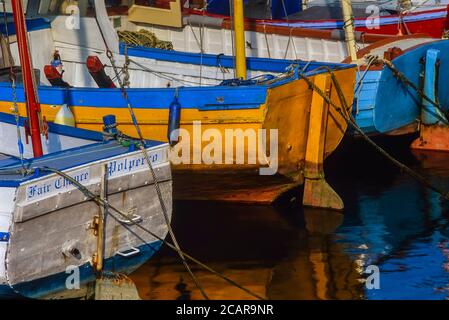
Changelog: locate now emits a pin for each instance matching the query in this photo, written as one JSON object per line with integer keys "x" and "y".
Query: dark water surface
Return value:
{"x": 289, "y": 252}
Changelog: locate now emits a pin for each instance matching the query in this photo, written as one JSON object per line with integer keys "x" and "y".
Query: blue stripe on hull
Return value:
{"x": 6, "y": 292}
{"x": 57, "y": 283}
{"x": 56, "y": 128}
{"x": 210, "y": 98}
{"x": 32, "y": 25}
{"x": 220, "y": 60}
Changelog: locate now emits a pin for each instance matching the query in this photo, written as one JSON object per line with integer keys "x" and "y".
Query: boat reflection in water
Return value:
{"x": 400, "y": 226}
{"x": 317, "y": 268}
{"x": 285, "y": 252}
{"x": 261, "y": 248}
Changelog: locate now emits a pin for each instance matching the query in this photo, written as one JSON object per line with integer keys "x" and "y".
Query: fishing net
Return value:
{"x": 144, "y": 38}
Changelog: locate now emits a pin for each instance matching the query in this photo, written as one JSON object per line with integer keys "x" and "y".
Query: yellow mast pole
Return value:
{"x": 239, "y": 30}
{"x": 348, "y": 19}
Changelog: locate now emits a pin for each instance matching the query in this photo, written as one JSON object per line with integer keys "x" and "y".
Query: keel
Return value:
{"x": 317, "y": 192}
{"x": 115, "y": 287}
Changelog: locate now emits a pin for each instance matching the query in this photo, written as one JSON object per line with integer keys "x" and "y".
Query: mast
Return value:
{"x": 239, "y": 30}
{"x": 33, "y": 106}
{"x": 106, "y": 28}
{"x": 348, "y": 19}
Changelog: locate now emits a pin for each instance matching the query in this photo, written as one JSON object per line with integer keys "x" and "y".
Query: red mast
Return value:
{"x": 33, "y": 106}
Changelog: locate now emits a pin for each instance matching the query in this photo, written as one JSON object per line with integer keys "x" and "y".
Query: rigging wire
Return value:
{"x": 290, "y": 38}
{"x": 145, "y": 153}
{"x": 13, "y": 79}
{"x": 166, "y": 76}
{"x": 202, "y": 31}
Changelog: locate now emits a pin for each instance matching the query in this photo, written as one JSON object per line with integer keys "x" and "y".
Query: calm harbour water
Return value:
{"x": 288, "y": 252}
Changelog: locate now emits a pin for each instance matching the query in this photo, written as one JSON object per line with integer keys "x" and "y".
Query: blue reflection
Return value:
{"x": 403, "y": 229}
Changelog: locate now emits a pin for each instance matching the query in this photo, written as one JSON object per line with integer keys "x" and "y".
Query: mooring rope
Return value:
{"x": 403, "y": 78}
{"x": 110, "y": 55}
{"x": 105, "y": 203}
{"x": 347, "y": 116}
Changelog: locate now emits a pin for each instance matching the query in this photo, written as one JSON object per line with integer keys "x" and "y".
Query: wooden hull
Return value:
{"x": 263, "y": 42}
{"x": 383, "y": 104}
{"x": 282, "y": 106}
{"x": 430, "y": 22}
{"x": 434, "y": 27}
{"x": 321, "y": 40}
{"x": 48, "y": 234}
{"x": 285, "y": 108}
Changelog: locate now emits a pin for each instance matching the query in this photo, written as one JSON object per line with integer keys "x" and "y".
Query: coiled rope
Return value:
{"x": 144, "y": 38}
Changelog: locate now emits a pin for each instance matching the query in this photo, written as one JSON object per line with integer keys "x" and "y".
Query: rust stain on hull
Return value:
{"x": 434, "y": 137}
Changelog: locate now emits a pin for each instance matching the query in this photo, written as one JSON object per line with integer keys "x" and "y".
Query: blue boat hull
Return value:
{"x": 384, "y": 104}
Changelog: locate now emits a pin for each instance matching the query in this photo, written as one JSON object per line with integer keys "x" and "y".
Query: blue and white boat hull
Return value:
{"x": 48, "y": 236}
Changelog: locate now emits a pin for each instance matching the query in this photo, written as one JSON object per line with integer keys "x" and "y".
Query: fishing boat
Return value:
{"x": 55, "y": 238}
{"x": 48, "y": 226}
{"x": 375, "y": 112}
{"x": 199, "y": 31}
{"x": 278, "y": 98}
{"x": 404, "y": 21}
{"x": 313, "y": 34}
{"x": 400, "y": 87}
{"x": 398, "y": 67}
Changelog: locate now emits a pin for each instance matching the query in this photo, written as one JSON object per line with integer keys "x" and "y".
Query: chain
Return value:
{"x": 125, "y": 69}
{"x": 12, "y": 77}
{"x": 16, "y": 113}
